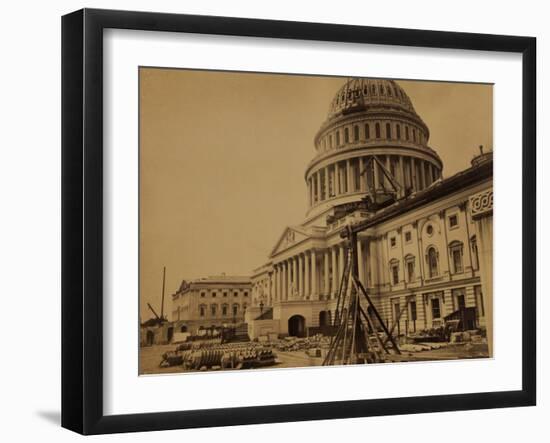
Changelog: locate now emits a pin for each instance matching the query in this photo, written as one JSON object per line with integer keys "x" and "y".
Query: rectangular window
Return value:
{"x": 457, "y": 260}
{"x": 436, "y": 311}
{"x": 395, "y": 274}
{"x": 408, "y": 236}
{"x": 410, "y": 270}
{"x": 235, "y": 294}
{"x": 413, "y": 310}
{"x": 225, "y": 294}
{"x": 393, "y": 242}
{"x": 203, "y": 294}
{"x": 224, "y": 310}
{"x": 453, "y": 221}
{"x": 213, "y": 294}
{"x": 202, "y": 311}
{"x": 459, "y": 301}
{"x": 246, "y": 293}
{"x": 396, "y": 310}
{"x": 213, "y": 310}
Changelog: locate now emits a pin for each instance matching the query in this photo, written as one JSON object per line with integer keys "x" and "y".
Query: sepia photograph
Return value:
{"x": 292, "y": 221}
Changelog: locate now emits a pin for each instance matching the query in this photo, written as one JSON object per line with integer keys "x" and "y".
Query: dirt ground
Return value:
{"x": 151, "y": 356}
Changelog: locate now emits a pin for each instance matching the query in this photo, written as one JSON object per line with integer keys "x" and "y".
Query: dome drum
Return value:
{"x": 338, "y": 180}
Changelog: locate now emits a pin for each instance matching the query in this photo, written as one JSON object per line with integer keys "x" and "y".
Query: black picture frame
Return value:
{"x": 82, "y": 220}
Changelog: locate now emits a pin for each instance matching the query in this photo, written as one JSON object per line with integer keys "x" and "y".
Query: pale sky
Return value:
{"x": 223, "y": 157}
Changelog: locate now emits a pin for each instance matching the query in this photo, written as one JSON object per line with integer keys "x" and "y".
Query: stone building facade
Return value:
{"x": 421, "y": 254}
{"x": 210, "y": 302}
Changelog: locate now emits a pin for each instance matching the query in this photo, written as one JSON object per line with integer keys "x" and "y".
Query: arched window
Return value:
{"x": 398, "y": 130}
{"x": 337, "y": 138}
{"x": 346, "y": 135}
{"x": 213, "y": 310}
{"x": 356, "y": 133}
{"x": 367, "y": 131}
{"x": 433, "y": 267}
{"x": 414, "y": 135}
{"x": 330, "y": 141}
{"x": 406, "y": 132}
{"x": 377, "y": 129}
{"x": 388, "y": 130}
{"x": 389, "y": 91}
{"x": 373, "y": 89}
{"x": 475, "y": 254}
{"x": 224, "y": 309}
{"x": 235, "y": 309}
{"x": 202, "y": 310}
{"x": 381, "y": 90}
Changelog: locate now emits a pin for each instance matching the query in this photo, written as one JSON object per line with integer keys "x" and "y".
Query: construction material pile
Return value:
{"x": 301, "y": 344}
{"x": 226, "y": 356}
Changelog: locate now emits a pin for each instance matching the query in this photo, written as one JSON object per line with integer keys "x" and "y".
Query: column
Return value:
{"x": 326, "y": 288}
{"x": 318, "y": 177}
{"x": 337, "y": 178}
{"x": 448, "y": 270}
{"x": 360, "y": 262}
{"x": 310, "y": 188}
{"x": 275, "y": 281}
{"x": 294, "y": 286}
{"x": 387, "y": 165}
{"x": 341, "y": 255}
{"x": 481, "y": 207}
{"x": 327, "y": 187}
{"x": 307, "y": 276}
{"x": 301, "y": 274}
{"x": 287, "y": 279}
{"x": 362, "y": 174}
{"x": 281, "y": 282}
{"x": 430, "y": 174}
{"x": 375, "y": 174}
{"x": 402, "y": 173}
{"x": 334, "y": 287}
{"x": 314, "y": 290}
{"x": 373, "y": 255}
{"x": 414, "y": 175}
{"x": 422, "y": 174}
{"x": 350, "y": 182}
{"x": 270, "y": 289}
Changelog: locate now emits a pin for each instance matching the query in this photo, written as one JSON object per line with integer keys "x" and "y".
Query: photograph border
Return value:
{"x": 82, "y": 220}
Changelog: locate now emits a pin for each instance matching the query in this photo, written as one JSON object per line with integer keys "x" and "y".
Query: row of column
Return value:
{"x": 351, "y": 176}
{"x": 313, "y": 273}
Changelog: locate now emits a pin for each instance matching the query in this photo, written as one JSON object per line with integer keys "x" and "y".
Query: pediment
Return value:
{"x": 290, "y": 237}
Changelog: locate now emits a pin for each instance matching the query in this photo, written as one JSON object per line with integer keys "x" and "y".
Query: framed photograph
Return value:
{"x": 269, "y": 221}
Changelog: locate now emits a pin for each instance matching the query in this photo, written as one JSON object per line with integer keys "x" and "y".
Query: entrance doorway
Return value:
{"x": 170, "y": 333}
{"x": 324, "y": 319}
{"x": 297, "y": 326}
{"x": 150, "y": 338}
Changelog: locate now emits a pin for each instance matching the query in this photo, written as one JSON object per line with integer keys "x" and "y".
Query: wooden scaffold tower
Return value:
{"x": 361, "y": 336}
